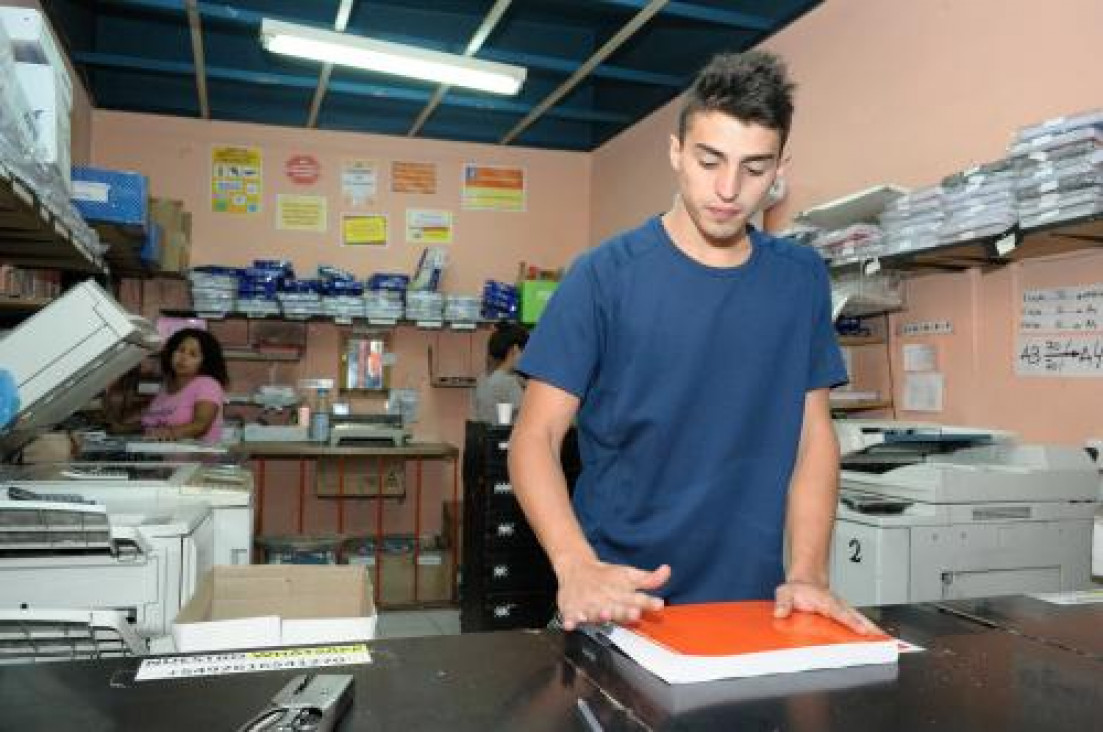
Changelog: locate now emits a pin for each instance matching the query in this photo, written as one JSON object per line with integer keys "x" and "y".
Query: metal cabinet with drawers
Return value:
{"x": 505, "y": 579}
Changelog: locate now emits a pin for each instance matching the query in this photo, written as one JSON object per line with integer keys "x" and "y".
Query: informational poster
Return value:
{"x": 428, "y": 226}
{"x": 409, "y": 177}
{"x": 489, "y": 188}
{"x": 1062, "y": 310}
{"x": 359, "y": 183}
{"x": 367, "y": 230}
{"x": 301, "y": 213}
{"x": 920, "y": 357}
{"x": 236, "y": 174}
{"x": 302, "y": 169}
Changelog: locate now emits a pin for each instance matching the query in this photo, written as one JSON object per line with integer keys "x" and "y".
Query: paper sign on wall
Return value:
{"x": 236, "y": 174}
{"x": 301, "y": 213}
{"x": 407, "y": 177}
{"x": 924, "y": 392}
{"x": 428, "y": 227}
{"x": 366, "y": 230}
{"x": 920, "y": 357}
{"x": 1060, "y": 355}
{"x": 1062, "y": 309}
{"x": 359, "y": 182}
{"x": 302, "y": 169}
{"x": 489, "y": 188}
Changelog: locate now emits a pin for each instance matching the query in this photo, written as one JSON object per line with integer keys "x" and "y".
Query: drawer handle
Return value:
{"x": 502, "y": 488}
{"x": 505, "y": 529}
{"x": 501, "y": 570}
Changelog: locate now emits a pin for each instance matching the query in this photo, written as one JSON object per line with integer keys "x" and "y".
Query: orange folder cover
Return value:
{"x": 709, "y": 641}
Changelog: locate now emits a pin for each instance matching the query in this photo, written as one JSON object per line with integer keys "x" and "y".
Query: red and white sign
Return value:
{"x": 303, "y": 170}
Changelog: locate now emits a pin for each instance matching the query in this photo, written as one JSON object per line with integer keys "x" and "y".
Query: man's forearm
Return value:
{"x": 541, "y": 488}
{"x": 813, "y": 497}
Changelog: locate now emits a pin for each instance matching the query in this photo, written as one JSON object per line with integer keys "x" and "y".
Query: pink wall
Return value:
{"x": 175, "y": 154}
{"x": 906, "y": 92}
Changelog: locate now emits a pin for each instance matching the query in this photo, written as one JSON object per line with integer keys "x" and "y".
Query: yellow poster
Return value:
{"x": 301, "y": 213}
{"x": 236, "y": 174}
{"x": 366, "y": 230}
{"x": 489, "y": 188}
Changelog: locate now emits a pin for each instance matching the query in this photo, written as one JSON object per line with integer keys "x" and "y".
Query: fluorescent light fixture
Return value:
{"x": 389, "y": 58}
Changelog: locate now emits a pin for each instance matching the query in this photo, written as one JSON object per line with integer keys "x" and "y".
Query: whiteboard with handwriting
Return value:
{"x": 1062, "y": 310}
{"x": 1060, "y": 355}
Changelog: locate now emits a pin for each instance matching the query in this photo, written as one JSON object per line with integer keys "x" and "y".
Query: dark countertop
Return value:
{"x": 1078, "y": 628}
{"x": 972, "y": 676}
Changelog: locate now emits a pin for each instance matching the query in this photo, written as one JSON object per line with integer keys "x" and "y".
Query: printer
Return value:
{"x": 367, "y": 429}
{"x": 134, "y": 536}
{"x": 929, "y": 513}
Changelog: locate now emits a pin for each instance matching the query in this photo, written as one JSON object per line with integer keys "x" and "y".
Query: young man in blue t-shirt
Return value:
{"x": 696, "y": 354}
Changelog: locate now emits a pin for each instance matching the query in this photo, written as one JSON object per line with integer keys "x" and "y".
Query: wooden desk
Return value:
{"x": 261, "y": 453}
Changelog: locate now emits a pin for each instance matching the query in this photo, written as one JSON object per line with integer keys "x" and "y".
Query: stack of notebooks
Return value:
{"x": 710, "y": 641}
{"x": 913, "y": 221}
{"x": 979, "y": 202}
{"x": 1060, "y": 169}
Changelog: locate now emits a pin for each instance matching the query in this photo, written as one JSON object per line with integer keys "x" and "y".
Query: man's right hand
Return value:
{"x": 592, "y": 591}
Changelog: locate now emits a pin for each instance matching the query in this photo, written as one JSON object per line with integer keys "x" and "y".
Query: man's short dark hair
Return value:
{"x": 753, "y": 86}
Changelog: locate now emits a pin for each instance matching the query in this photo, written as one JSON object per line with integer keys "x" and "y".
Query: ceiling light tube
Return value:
{"x": 390, "y": 58}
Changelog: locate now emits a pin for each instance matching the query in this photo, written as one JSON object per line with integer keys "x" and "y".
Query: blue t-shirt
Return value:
{"x": 692, "y": 382}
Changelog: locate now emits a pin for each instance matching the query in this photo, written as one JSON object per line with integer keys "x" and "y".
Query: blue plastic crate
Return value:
{"x": 111, "y": 196}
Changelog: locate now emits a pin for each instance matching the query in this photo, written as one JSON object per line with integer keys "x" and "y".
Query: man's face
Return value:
{"x": 725, "y": 168}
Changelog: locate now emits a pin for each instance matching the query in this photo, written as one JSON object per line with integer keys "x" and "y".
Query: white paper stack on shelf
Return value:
{"x": 858, "y": 294}
{"x": 1060, "y": 169}
{"x": 213, "y": 290}
{"x": 383, "y": 304}
{"x": 462, "y": 308}
{"x": 424, "y": 305}
{"x": 913, "y": 221}
{"x": 979, "y": 202}
{"x": 300, "y": 305}
{"x": 853, "y": 243}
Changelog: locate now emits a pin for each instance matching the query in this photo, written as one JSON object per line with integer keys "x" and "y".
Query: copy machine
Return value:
{"x": 928, "y": 513}
{"x": 134, "y": 536}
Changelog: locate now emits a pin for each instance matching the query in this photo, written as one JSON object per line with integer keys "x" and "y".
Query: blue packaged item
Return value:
{"x": 9, "y": 398}
{"x": 111, "y": 196}
{"x": 329, "y": 272}
{"x": 500, "y": 301}
{"x": 342, "y": 287}
{"x": 388, "y": 281}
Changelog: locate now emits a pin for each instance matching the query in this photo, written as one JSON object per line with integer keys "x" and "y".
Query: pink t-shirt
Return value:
{"x": 169, "y": 410}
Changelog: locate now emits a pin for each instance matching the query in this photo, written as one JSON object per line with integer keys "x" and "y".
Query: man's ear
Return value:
{"x": 675, "y": 153}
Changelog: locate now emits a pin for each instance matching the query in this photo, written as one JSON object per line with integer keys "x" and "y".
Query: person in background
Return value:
{"x": 501, "y": 384}
{"x": 697, "y": 354}
{"x": 189, "y": 404}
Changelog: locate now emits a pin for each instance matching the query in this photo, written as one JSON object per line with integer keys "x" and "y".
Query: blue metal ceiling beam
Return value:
{"x": 377, "y": 91}
{"x": 251, "y": 20}
{"x": 732, "y": 18}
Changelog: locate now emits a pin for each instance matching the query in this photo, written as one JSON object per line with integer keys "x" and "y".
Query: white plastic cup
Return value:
{"x": 505, "y": 413}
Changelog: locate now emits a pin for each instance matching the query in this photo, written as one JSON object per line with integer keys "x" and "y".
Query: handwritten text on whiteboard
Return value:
{"x": 1061, "y": 355}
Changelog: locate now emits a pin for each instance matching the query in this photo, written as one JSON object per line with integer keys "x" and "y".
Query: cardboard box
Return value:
{"x": 396, "y": 573}
{"x": 534, "y": 298}
{"x": 47, "y": 105}
{"x": 257, "y": 606}
{"x": 33, "y": 42}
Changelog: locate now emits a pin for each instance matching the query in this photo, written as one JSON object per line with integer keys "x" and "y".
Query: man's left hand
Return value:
{"x": 812, "y": 598}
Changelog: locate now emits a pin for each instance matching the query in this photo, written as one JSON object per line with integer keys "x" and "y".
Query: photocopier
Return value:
{"x": 929, "y": 512}
{"x": 135, "y": 535}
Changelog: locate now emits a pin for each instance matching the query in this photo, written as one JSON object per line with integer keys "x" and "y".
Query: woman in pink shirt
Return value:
{"x": 189, "y": 405}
